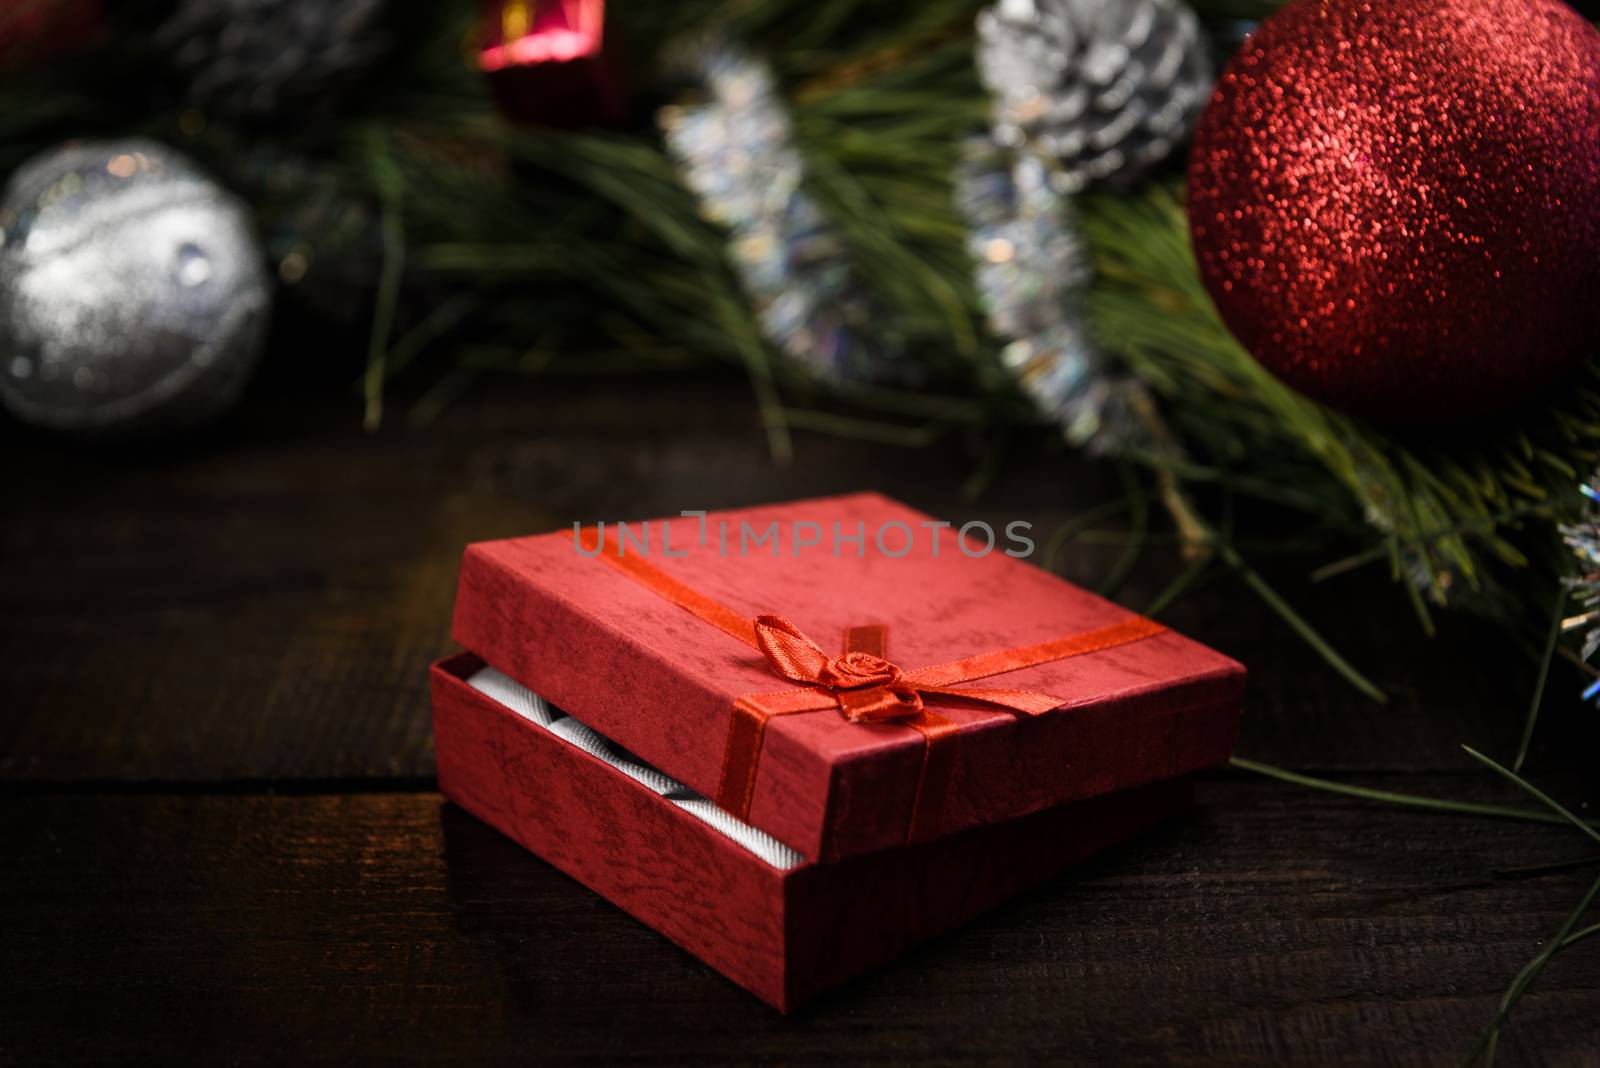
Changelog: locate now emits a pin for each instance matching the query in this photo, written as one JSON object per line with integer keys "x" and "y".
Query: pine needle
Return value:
{"x": 1180, "y": 585}
{"x": 1488, "y": 1043}
{"x": 843, "y": 426}
{"x": 1139, "y": 506}
{"x": 1437, "y": 804}
{"x": 1533, "y": 791}
{"x": 1064, "y": 534}
{"x": 1532, "y": 871}
{"x": 390, "y": 190}
{"x": 1296, "y": 622}
{"x": 1544, "y": 674}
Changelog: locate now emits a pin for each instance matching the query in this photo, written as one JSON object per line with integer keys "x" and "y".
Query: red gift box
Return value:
{"x": 784, "y": 725}
{"x": 551, "y": 62}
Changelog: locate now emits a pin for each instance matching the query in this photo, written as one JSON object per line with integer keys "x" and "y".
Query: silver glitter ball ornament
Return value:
{"x": 133, "y": 296}
{"x": 1102, "y": 89}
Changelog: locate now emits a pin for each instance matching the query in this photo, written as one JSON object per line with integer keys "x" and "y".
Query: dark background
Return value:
{"x": 223, "y": 840}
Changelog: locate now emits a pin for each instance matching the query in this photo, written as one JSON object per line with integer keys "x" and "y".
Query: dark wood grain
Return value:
{"x": 261, "y": 606}
{"x": 1269, "y": 926}
{"x": 222, "y": 844}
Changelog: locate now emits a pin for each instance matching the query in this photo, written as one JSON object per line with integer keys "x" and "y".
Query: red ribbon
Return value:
{"x": 862, "y": 684}
{"x": 868, "y": 688}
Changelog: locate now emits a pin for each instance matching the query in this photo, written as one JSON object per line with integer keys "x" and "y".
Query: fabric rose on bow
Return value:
{"x": 869, "y": 688}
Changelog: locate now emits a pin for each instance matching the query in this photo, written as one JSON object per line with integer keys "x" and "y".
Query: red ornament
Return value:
{"x": 548, "y": 62}
{"x": 1396, "y": 203}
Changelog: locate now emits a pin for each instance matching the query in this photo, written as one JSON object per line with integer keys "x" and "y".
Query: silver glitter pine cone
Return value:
{"x": 255, "y": 57}
{"x": 133, "y": 297}
{"x": 1102, "y": 89}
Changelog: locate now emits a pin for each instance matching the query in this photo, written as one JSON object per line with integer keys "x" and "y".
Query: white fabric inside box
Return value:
{"x": 504, "y": 690}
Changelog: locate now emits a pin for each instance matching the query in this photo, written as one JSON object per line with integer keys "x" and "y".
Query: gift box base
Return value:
{"x": 784, "y": 935}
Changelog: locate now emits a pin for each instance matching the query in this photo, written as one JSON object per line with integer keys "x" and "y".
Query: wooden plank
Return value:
{"x": 1270, "y": 926}
{"x": 268, "y": 610}
{"x": 261, "y": 604}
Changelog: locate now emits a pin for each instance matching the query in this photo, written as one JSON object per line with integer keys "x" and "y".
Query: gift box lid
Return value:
{"x": 713, "y": 648}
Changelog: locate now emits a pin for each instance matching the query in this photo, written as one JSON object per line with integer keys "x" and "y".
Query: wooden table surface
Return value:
{"x": 224, "y": 842}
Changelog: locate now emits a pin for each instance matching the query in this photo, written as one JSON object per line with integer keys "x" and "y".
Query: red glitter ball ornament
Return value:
{"x": 1396, "y": 203}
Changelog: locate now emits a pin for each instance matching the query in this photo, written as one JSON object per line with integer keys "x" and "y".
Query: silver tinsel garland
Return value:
{"x": 736, "y": 153}
{"x": 1102, "y": 89}
{"x": 1583, "y": 538}
{"x": 1032, "y": 273}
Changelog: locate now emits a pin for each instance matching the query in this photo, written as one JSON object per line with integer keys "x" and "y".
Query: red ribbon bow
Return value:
{"x": 861, "y": 683}
{"x": 869, "y": 688}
